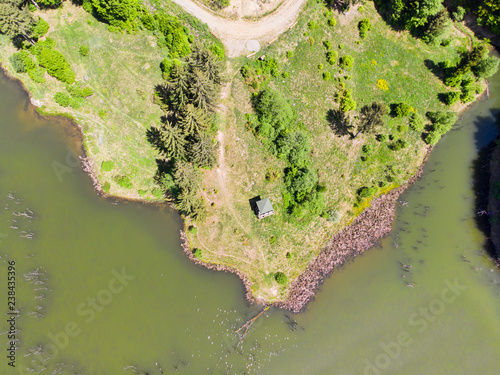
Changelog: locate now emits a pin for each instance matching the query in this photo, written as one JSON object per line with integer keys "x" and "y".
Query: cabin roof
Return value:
{"x": 264, "y": 205}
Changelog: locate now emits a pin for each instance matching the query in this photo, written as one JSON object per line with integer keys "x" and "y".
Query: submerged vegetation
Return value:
{"x": 321, "y": 137}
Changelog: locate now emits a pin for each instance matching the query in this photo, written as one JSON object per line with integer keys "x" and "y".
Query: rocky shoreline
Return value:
{"x": 368, "y": 228}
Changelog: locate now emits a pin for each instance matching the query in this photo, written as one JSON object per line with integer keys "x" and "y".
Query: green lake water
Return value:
{"x": 104, "y": 288}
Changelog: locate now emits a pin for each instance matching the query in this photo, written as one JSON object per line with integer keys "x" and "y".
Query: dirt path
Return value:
{"x": 236, "y": 33}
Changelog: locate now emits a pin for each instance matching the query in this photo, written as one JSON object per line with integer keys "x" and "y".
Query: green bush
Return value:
{"x": 272, "y": 240}
{"x": 417, "y": 122}
{"x": 402, "y": 110}
{"x": 402, "y": 128}
{"x": 332, "y": 22}
{"x": 56, "y": 65}
{"x": 398, "y": 145}
{"x": 367, "y": 149}
{"x": 327, "y": 76}
{"x": 84, "y": 50}
{"x": 312, "y": 25}
{"x": 367, "y": 192}
{"x": 458, "y": 14}
{"x": 37, "y": 74}
{"x": 17, "y": 62}
{"x": 432, "y": 138}
{"x": 346, "y": 62}
{"x": 486, "y": 67}
{"x": 107, "y": 166}
{"x": 281, "y": 278}
{"x": 121, "y": 14}
{"x": 157, "y": 193}
{"x": 327, "y": 44}
{"x": 364, "y": 26}
{"x": 193, "y": 230}
{"x": 106, "y": 187}
{"x": 197, "y": 253}
{"x": 124, "y": 182}
{"x": 450, "y": 98}
{"x": 331, "y": 57}
{"x": 86, "y": 92}
{"x": 382, "y": 137}
{"x": 40, "y": 28}
{"x": 347, "y": 103}
{"x": 289, "y": 54}
{"x": 218, "y": 51}
{"x": 62, "y": 99}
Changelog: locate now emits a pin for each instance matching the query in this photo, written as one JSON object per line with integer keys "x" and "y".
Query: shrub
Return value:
{"x": 327, "y": 44}
{"x": 332, "y": 22}
{"x": 367, "y": 149}
{"x": 157, "y": 193}
{"x": 382, "y": 137}
{"x": 310, "y": 40}
{"x": 333, "y": 216}
{"x": 56, "y": 65}
{"x": 197, "y": 253}
{"x": 281, "y": 278}
{"x": 288, "y": 255}
{"x": 432, "y": 138}
{"x": 382, "y": 84}
{"x": 124, "y": 182}
{"x": 398, "y": 145}
{"x": 37, "y": 74}
{"x": 417, "y": 122}
{"x": 346, "y": 62}
{"x": 17, "y": 62}
{"x": 285, "y": 74}
{"x": 364, "y": 26}
{"x": 193, "y": 230}
{"x": 331, "y": 57}
{"x": 86, "y": 92}
{"x": 327, "y": 76}
{"x": 312, "y": 25}
{"x": 40, "y": 28}
{"x": 467, "y": 95}
{"x": 84, "y": 50}
{"x": 272, "y": 174}
{"x": 272, "y": 240}
{"x": 442, "y": 121}
{"x": 218, "y": 51}
{"x": 62, "y": 99}
{"x": 367, "y": 192}
{"x": 107, "y": 166}
{"x": 486, "y": 67}
{"x": 402, "y": 128}
{"x": 320, "y": 67}
{"x": 120, "y": 14}
{"x": 402, "y": 110}
{"x": 458, "y": 14}
{"x": 289, "y": 54}
{"x": 453, "y": 80}
{"x": 347, "y": 103}
{"x": 106, "y": 187}
{"x": 450, "y": 98}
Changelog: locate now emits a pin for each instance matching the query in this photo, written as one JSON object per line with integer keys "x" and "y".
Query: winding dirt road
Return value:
{"x": 235, "y": 34}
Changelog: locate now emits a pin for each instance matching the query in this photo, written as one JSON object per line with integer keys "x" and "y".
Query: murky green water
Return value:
{"x": 104, "y": 288}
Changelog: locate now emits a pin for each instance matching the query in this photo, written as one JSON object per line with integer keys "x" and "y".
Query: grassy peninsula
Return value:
{"x": 337, "y": 111}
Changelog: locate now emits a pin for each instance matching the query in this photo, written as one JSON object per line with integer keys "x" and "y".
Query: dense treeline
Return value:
{"x": 186, "y": 136}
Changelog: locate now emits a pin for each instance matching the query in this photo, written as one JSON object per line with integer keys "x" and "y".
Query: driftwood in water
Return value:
{"x": 249, "y": 323}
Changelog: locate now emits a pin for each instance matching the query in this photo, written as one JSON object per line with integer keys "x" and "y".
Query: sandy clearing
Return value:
{"x": 235, "y": 33}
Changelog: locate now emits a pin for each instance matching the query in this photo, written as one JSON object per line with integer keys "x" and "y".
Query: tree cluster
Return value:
{"x": 275, "y": 124}
{"x": 441, "y": 122}
{"x": 186, "y": 136}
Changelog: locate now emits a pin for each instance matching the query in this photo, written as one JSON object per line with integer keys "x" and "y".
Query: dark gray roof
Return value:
{"x": 264, "y": 206}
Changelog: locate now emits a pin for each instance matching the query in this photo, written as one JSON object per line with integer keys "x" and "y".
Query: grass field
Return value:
{"x": 123, "y": 70}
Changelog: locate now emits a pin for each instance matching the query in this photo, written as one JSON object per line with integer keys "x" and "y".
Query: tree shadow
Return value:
{"x": 434, "y": 68}
{"x": 484, "y": 138}
{"x": 338, "y": 122}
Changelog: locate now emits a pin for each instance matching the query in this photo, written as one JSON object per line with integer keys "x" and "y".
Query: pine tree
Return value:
{"x": 173, "y": 141}
{"x": 206, "y": 62}
{"x": 179, "y": 86}
{"x": 202, "y": 90}
{"x": 203, "y": 152}
{"x": 15, "y": 21}
{"x": 194, "y": 121}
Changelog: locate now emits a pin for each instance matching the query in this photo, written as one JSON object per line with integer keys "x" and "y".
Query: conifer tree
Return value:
{"x": 173, "y": 141}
